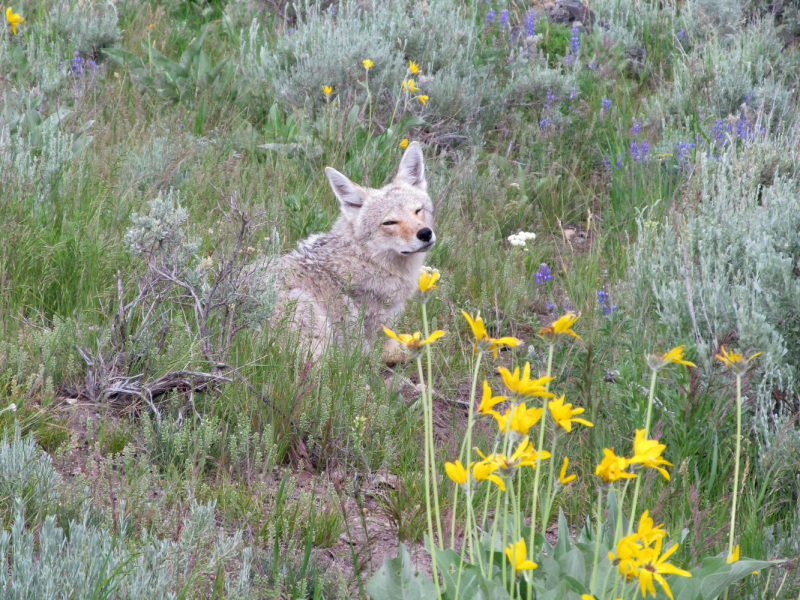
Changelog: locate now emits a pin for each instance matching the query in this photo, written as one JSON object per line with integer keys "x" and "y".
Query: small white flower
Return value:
{"x": 12, "y": 407}
{"x": 208, "y": 262}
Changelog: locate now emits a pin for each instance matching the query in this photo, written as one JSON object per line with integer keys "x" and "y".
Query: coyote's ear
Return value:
{"x": 351, "y": 196}
{"x": 412, "y": 167}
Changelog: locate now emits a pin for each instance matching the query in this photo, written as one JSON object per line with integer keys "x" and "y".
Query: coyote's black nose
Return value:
{"x": 425, "y": 234}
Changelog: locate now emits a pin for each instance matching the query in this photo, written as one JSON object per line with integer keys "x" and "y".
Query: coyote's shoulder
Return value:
{"x": 364, "y": 269}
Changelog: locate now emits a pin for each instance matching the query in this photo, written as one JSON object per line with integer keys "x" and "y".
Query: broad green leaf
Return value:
{"x": 715, "y": 583}
{"x": 562, "y": 545}
{"x": 397, "y": 579}
{"x": 449, "y": 564}
{"x": 572, "y": 564}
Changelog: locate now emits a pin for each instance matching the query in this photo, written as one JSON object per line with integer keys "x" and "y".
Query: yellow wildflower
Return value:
{"x": 415, "y": 341}
{"x": 457, "y": 472}
{"x": 517, "y": 554}
{"x": 646, "y": 533}
{"x": 427, "y": 279}
{"x": 659, "y": 361}
{"x": 519, "y": 418}
{"x": 563, "y": 414}
{"x": 327, "y": 90}
{"x": 734, "y": 556}
{"x": 404, "y": 143}
{"x": 151, "y": 26}
{"x": 653, "y": 566}
{"x": 413, "y": 67}
{"x": 13, "y": 19}
{"x": 648, "y": 453}
{"x": 627, "y": 555}
{"x": 612, "y": 467}
{"x": 484, "y": 470}
{"x": 482, "y": 339}
{"x": 524, "y": 385}
{"x": 488, "y": 401}
{"x": 734, "y": 360}
{"x": 409, "y": 85}
{"x": 424, "y": 99}
{"x": 561, "y": 326}
{"x": 367, "y": 64}
{"x": 562, "y": 475}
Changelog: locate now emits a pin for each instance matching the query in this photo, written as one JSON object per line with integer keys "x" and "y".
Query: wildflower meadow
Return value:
{"x": 599, "y": 391}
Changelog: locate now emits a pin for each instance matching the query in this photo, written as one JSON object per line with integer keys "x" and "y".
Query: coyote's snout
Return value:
{"x": 362, "y": 270}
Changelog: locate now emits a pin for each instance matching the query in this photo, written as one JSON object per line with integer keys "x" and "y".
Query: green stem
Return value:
{"x": 428, "y": 510}
{"x": 453, "y": 521}
{"x": 597, "y": 540}
{"x": 536, "y": 472}
{"x": 466, "y": 445}
{"x": 646, "y": 436}
{"x": 494, "y": 534}
{"x": 548, "y": 499}
{"x": 429, "y": 430}
{"x": 736, "y": 463}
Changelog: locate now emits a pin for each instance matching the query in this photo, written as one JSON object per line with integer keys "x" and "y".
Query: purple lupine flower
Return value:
{"x": 333, "y": 9}
{"x": 490, "y": 16}
{"x": 718, "y": 132}
{"x": 607, "y": 161}
{"x": 551, "y": 308}
{"x": 634, "y": 151}
{"x": 683, "y": 151}
{"x": 574, "y": 42}
{"x": 606, "y": 104}
{"x": 682, "y": 34}
{"x": 573, "y": 93}
{"x": 76, "y": 65}
{"x": 530, "y": 24}
{"x": 503, "y": 19}
{"x": 550, "y": 97}
{"x": 593, "y": 65}
{"x": 638, "y": 151}
{"x": 543, "y": 275}
{"x": 619, "y": 161}
{"x": 567, "y": 306}
{"x": 544, "y": 123}
{"x": 606, "y": 303}
{"x": 636, "y": 128}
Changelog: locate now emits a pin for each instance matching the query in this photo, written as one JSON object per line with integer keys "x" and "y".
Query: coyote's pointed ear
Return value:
{"x": 351, "y": 196}
{"x": 412, "y": 167}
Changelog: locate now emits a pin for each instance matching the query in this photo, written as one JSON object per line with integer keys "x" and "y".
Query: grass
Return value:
{"x": 301, "y": 457}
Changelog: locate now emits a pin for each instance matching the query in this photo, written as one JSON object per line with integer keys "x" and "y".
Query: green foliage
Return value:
{"x": 188, "y": 81}
{"x": 89, "y": 27}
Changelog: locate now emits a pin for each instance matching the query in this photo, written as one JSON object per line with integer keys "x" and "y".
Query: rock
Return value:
{"x": 565, "y": 12}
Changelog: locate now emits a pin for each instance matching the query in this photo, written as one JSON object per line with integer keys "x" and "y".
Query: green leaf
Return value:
{"x": 562, "y": 545}
{"x": 397, "y": 579}
{"x": 714, "y": 584}
{"x": 573, "y": 564}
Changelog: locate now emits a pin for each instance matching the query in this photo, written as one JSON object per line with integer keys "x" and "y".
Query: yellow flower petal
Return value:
{"x": 424, "y": 99}
{"x": 413, "y": 67}
{"x": 367, "y": 63}
{"x": 562, "y": 475}
{"x": 404, "y": 143}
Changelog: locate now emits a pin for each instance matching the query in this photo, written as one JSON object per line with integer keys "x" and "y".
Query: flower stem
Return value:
{"x": 650, "y": 398}
{"x": 736, "y": 463}
{"x": 466, "y": 445}
{"x": 597, "y": 536}
{"x": 536, "y": 472}
{"x": 429, "y": 430}
{"x": 547, "y": 506}
{"x": 428, "y": 510}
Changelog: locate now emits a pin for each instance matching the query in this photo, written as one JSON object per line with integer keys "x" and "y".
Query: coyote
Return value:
{"x": 357, "y": 277}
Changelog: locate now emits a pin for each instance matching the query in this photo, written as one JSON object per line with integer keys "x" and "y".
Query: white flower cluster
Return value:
{"x": 520, "y": 238}
{"x": 428, "y": 270}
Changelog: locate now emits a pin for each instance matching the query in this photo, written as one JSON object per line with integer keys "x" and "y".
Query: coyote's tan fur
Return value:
{"x": 364, "y": 269}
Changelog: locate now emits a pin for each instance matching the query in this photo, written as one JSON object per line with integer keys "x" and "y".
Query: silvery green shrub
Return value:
{"x": 721, "y": 74}
{"x": 728, "y": 268}
{"x": 26, "y": 473}
{"x": 94, "y": 562}
{"x": 328, "y": 49}
{"x": 88, "y": 26}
